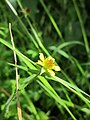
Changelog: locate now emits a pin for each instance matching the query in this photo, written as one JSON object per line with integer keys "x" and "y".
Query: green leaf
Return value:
{"x": 44, "y": 83}
{"x": 26, "y": 60}
{"x": 26, "y": 81}
{"x": 72, "y": 88}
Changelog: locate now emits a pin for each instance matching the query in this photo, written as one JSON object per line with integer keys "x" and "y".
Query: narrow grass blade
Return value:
{"x": 31, "y": 105}
{"x": 34, "y": 32}
{"x": 44, "y": 83}
{"x": 66, "y": 44}
{"x": 78, "y": 66}
{"x": 82, "y": 28}
{"x": 72, "y": 88}
{"x": 22, "y": 24}
{"x": 27, "y": 61}
{"x": 52, "y": 20}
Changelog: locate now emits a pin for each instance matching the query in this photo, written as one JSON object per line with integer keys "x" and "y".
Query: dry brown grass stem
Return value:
{"x": 17, "y": 76}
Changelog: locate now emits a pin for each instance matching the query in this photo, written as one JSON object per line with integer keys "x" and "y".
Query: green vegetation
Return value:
{"x": 56, "y": 28}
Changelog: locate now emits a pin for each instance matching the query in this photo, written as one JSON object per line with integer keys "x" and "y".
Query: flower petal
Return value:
{"x": 40, "y": 62}
{"x": 56, "y": 68}
{"x": 51, "y": 72}
{"x": 42, "y": 71}
{"x": 41, "y": 56}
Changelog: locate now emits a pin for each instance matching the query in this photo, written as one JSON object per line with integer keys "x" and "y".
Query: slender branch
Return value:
{"x": 15, "y": 59}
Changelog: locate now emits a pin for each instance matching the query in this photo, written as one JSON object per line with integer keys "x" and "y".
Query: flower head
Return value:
{"x": 48, "y": 65}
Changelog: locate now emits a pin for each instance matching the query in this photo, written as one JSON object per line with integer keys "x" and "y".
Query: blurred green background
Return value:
{"x": 61, "y": 29}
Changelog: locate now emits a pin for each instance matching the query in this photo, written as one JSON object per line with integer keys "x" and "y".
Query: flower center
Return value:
{"x": 48, "y": 63}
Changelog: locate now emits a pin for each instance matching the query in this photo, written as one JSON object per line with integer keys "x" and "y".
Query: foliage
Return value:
{"x": 55, "y": 28}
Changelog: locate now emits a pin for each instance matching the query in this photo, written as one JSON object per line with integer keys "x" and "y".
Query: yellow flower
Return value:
{"x": 48, "y": 65}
